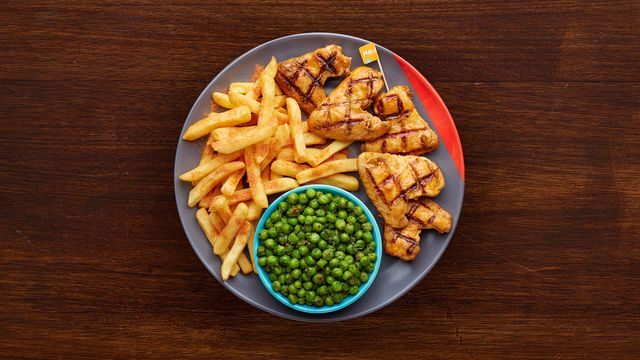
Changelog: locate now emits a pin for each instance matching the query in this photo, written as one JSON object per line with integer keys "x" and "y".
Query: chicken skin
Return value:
{"x": 342, "y": 115}
{"x": 423, "y": 214}
{"x": 303, "y": 77}
{"x": 391, "y": 181}
{"x": 409, "y": 133}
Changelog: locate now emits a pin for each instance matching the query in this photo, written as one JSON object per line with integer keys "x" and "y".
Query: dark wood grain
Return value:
{"x": 545, "y": 263}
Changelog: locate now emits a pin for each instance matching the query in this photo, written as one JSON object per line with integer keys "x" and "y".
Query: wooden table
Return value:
{"x": 545, "y": 260}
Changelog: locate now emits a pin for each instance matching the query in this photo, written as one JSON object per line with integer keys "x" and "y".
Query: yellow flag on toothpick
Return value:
{"x": 369, "y": 54}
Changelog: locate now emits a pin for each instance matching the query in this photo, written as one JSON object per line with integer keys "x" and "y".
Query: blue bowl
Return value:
{"x": 264, "y": 277}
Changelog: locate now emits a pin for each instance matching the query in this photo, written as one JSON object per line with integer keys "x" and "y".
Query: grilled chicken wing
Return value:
{"x": 391, "y": 181}
{"x": 409, "y": 133}
{"x": 303, "y": 77}
{"x": 423, "y": 214}
{"x": 342, "y": 116}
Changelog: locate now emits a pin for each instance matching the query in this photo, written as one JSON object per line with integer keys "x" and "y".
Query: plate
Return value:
{"x": 395, "y": 277}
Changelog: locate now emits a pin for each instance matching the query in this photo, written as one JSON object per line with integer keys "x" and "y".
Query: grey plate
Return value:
{"x": 395, "y": 277}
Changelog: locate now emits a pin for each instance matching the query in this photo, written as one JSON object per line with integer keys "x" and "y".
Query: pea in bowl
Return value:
{"x": 317, "y": 249}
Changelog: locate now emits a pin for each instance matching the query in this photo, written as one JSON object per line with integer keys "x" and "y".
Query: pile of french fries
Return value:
{"x": 261, "y": 140}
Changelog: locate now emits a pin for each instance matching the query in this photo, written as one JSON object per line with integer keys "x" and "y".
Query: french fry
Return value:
{"x": 265, "y": 174}
{"x": 278, "y": 90}
{"x": 222, "y": 100}
{"x": 238, "y": 245}
{"x": 295, "y": 123}
{"x": 235, "y": 143}
{"x": 208, "y": 182}
{"x": 305, "y": 127}
{"x": 287, "y": 154}
{"x": 346, "y": 182}
{"x": 207, "y": 152}
{"x": 254, "y": 211}
{"x": 225, "y": 132}
{"x": 328, "y": 151}
{"x": 270, "y": 187}
{"x": 313, "y": 139}
{"x": 281, "y": 116}
{"x": 211, "y": 233}
{"x": 270, "y": 150}
{"x": 245, "y": 263}
{"x": 266, "y": 117}
{"x": 253, "y": 177}
{"x": 275, "y": 176}
{"x": 287, "y": 168}
{"x": 222, "y": 207}
{"x": 216, "y": 220}
{"x": 207, "y": 200}
{"x": 279, "y": 101}
{"x": 230, "y": 230}
{"x": 204, "y": 126}
{"x": 208, "y": 167}
{"x": 250, "y": 248}
{"x": 240, "y": 87}
{"x": 229, "y": 186}
{"x": 326, "y": 169}
{"x": 239, "y": 100}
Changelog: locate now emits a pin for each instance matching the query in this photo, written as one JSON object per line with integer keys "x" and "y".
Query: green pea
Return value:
{"x": 372, "y": 244}
{"x": 303, "y": 250}
{"x": 270, "y": 243}
{"x": 294, "y": 263}
{"x": 273, "y": 233}
{"x": 297, "y": 284}
{"x": 283, "y": 206}
{"x": 347, "y": 275}
{"x": 303, "y": 199}
{"x": 272, "y": 277}
{"x": 308, "y": 285}
{"x": 322, "y": 245}
{"x": 280, "y": 250}
{"x": 328, "y": 301}
{"x": 337, "y": 297}
{"x": 310, "y": 271}
{"x": 340, "y": 224}
{"x": 342, "y": 203}
{"x": 336, "y": 287}
{"x": 318, "y": 279}
{"x": 309, "y": 260}
{"x": 359, "y": 245}
{"x": 261, "y": 250}
{"x": 301, "y": 219}
{"x": 278, "y": 270}
{"x": 322, "y": 263}
{"x": 330, "y": 279}
{"x": 275, "y": 217}
{"x": 307, "y": 228}
{"x": 310, "y": 295}
{"x": 339, "y": 255}
{"x": 285, "y": 290}
{"x": 314, "y": 238}
{"x": 263, "y": 234}
{"x": 353, "y": 290}
{"x": 349, "y": 229}
{"x": 335, "y": 239}
{"x": 336, "y": 272}
{"x": 349, "y": 259}
{"x": 351, "y": 219}
{"x": 314, "y": 204}
{"x": 284, "y": 260}
{"x": 316, "y": 253}
{"x": 357, "y": 211}
{"x": 327, "y": 254}
{"x": 344, "y": 238}
{"x": 305, "y": 277}
{"x": 364, "y": 277}
{"x": 317, "y": 227}
{"x": 331, "y": 218}
{"x": 272, "y": 260}
{"x": 344, "y": 265}
{"x": 367, "y": 236}
{"x": 323, "y": 199}
{"x": 327, "y": 271}
{"x": 301, "y": 292}
{"x": 332, "y": 207}
{"x": 311, "y": 193}
{"x": 276, "y": 285}
{"x": 293, "y": 299}
{"x": 365, "y": 261}
{"x": 262, "y": 261}
{"x": 295, "y": 254}
{"x": 309, "y": 220}
{"x": 292, "y": 198}
{"x": 292, "y": 221}
{"x": 367, "y": 227}
{"x": 342, "y": 214}
{"x": 334, "y": 263}
{"x": 362, "y": 219}
{"x": 268, "y": 224}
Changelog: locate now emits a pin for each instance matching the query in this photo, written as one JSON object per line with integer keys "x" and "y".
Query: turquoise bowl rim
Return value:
{"x": 264, "y": 277}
